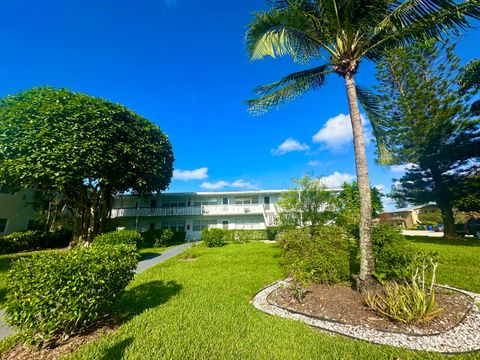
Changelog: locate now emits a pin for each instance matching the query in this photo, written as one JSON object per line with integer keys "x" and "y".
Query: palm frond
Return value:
{"x": 380, "y": 124}
{"x": 293, "y": 31}
{"x": 415, "y": 20}
{"x": 288, "y": 88}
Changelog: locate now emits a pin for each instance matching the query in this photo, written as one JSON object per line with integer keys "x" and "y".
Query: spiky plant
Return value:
{"x": 345, "y": 32}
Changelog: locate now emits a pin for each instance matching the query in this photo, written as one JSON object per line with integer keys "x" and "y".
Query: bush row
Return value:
{"x": 151, "y": 238}
{"x": 217, "y": 237}
{"x": 32, "y": 240}
{"x": 329, "y": 254}
{"x": 57, "y": 294}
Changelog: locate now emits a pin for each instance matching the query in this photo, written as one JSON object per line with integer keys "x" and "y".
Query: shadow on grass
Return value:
{"x": 116, "y": 351}
{"x": 463, "y": 241}
{"x": 146, "y": 296}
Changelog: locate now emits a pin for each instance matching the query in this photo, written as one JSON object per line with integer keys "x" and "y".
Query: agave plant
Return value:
{"x": 343, "y": 33}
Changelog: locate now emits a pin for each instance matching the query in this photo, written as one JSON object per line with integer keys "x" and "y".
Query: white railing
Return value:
{"x": 232, "y": 209}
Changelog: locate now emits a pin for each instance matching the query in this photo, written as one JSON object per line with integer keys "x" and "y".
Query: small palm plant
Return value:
{"x": 345, "y": 32}
{"x": 409, "y": 302}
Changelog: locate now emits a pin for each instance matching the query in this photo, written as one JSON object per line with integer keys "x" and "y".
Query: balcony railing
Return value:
{"x": 232, "y": 209}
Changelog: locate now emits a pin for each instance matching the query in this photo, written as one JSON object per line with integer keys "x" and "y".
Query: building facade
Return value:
{"x": 16, "y": 211}
{"x": 407, "y": 218}
{"x": 194, "y": 211}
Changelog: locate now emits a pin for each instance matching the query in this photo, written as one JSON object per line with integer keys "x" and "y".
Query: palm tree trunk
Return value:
{"x": 367, "y": 264}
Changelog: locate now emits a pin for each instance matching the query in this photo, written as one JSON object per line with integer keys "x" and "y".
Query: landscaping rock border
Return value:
{"x": 464, "y": 337}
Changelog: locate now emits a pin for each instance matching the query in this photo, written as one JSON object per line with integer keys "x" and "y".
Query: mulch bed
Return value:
{"x": 342, "y": 304}
{"x": 61, "y": 348}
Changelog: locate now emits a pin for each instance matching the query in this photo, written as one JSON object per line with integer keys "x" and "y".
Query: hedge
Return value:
{"x": 161, "y": 237}
{"x": 32, "y": 240}
{"x": 57, "y": 294}
{"x": 127, "y": 237}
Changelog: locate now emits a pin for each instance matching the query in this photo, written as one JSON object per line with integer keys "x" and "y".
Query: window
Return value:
{"x": 199, "y": 225}
{"x": 153, "y": 203}
{"x": 3, "y": 225}
{"x": 152, "y": 226}
{"x": 173, "y": 224}
{"x": 246, "y": 200}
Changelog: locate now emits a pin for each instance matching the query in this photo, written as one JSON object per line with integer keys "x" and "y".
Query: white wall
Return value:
{"x": 17, "y": 210}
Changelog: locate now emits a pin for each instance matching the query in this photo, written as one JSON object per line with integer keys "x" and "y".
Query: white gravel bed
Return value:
{"x": 462, "y": 338}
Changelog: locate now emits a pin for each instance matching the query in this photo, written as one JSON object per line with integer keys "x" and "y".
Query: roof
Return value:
{"x": 408, "y": 209}
{"x": 216, "y": 193}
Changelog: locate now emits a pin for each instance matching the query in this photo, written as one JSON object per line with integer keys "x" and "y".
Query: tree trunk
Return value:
{"x": 367, "y": 263}
{"x": 448, "y": 219}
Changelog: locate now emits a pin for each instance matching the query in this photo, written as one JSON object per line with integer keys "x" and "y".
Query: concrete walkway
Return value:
{"x": 143, "y": 265}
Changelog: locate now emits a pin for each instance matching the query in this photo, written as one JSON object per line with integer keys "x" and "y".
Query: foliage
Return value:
{"x": 347, "y": 205}
{"x": 272, "y": 232}
{"x": 307, "y": 203}
{"x": 430, "y": 127}
{"x": 470, "y": 82}
{"x": 82, "y": 148}
{"x": 316, "y": 255}
{"x": 213, "y": 237}
{"x": 59, "y": 294}
{"x": 408, "y": 302}
{"x": 394, "y": 256}
{"x": 467, "y": 192}
{"x": 162, "y": 237}
{"x": 175, "y": 293}
{"x": 430, "y": 218}
{"x": 126, "y": 237}
{"x": 32, "y": 240}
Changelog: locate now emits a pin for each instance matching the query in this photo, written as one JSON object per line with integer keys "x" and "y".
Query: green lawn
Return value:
{"x": 200, "y": 310}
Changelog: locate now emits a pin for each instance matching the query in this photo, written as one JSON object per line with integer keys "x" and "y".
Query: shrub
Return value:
{"x": 22, "y": 241}
{"x": 59, "y": 294}
{"x": 395, "y": 257}
{"x": 241, "y": 236}
{"x": 318, "y": 255}
{"x": 157, "y": 237}
{"x": 407, "y": 302}
{"x": 127, "y": 237}
{"x": 213, "y": 237}
{"x": 32, "y": 240}
{"x": 272, "y": 232}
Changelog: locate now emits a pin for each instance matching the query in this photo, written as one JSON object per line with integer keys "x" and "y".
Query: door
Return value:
{"x": 225, "y": 224}
{"x": 266, "y": 201}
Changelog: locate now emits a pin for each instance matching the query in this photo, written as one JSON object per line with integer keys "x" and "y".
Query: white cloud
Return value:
{"x": 336, "y": 134}
{"x": 402, "y": 168}
{"x": 215, "y": 185}
{"x": 197, "y": 174}
{"x": 379, "y": 187}
{"x": 388, "y": 204}
{"x": 289, "y": 145}
{"x": 336, "y": 180}
{"x": 238, "y": 184}
{"x": 314, "y": 163}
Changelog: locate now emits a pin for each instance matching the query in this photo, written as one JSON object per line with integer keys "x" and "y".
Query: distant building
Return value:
{"x": 194, "y": 211}
{"x": 407, "y": 218}
{"x": 16, "y": 211}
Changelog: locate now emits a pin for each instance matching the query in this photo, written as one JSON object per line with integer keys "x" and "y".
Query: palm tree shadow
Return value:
{"x": 117, "y": 350}
{"x": 146, "y": 296}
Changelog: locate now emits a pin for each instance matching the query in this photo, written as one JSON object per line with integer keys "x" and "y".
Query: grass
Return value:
{"x": 459, "y": 260}
{"x": 200, "y": 310}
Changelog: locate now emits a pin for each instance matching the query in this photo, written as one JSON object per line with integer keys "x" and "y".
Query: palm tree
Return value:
{"x": 346, "y": 32}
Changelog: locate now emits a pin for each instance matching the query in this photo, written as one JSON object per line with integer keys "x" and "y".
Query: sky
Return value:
{"x": 182, "y": 64}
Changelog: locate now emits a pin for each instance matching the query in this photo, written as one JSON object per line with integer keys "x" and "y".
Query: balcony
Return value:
{"x": 232, "y": 209}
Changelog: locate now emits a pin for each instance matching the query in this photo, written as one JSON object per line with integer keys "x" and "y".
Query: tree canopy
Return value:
{"x": 84, "y": 148}
{"x": 429, "y": 126}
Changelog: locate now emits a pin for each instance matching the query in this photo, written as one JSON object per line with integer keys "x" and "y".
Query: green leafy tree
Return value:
{"x": 345, "y": 33}
{"x": 430, "y": 126}
{"x": 347, "y": 204}
{"x": 307, "y": 203}
{"x": 85, "y": 149}
{"x": 470, "y": 82}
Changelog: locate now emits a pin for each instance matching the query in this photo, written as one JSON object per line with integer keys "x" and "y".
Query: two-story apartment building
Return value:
{"x": 194, "y": 211}
{"x": 16, "y": 211}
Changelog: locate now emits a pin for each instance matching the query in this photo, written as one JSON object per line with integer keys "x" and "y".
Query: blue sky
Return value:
{"x": 182, "y": 65}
